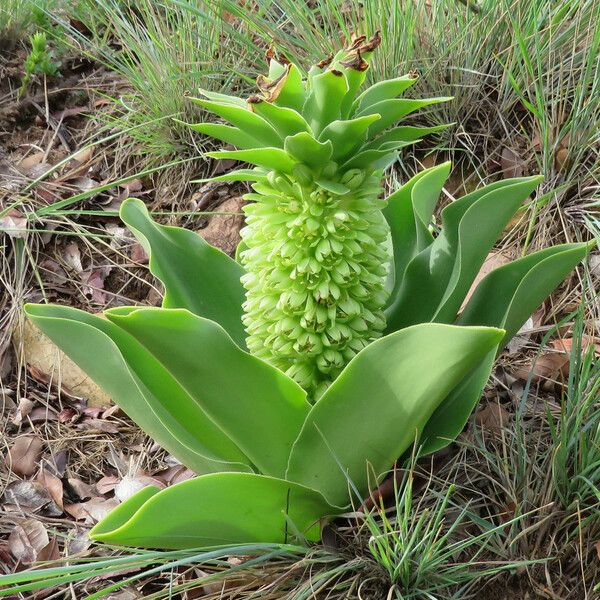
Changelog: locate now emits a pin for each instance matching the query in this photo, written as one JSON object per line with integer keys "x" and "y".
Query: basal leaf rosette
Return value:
{"x": 276, "y": 464}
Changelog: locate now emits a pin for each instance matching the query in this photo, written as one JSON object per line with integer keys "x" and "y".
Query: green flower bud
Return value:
{"x": 353, "y": 178}
{"x": 322, "y": 266}
{"x": 330, "y": 170}
{"x": 302, "y": 174}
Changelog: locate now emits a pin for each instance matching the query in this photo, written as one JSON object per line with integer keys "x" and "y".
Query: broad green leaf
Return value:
{"x": 224, "y": 98}
{"x": 369, "y": 159}
{"x": 403, "y": 134}
{"x": 323, "y": 105}
{"x": 333, "y": 186}
{"x": 355, "y": 77}
{"x": 306, "y": 149}
{"x": 245, "y": 119}
{"x": 255, "y": 404}
{"x": 227, "y": 134}
{"x": 392, "y": 111}
{"x": 408, "y": 212}
{"x": 214, "y": 510}
{"x": 274, "y": 159}
{"x": 141, "y": 386}
{"x": 509, "y": 294}
{"x": 196, "y": 275}
{"x": 437, "y": 279}
{"x": 478, "y": 229}
{"x": 380, "y": 403}
{"x": 256, "y": 174}
{"x": 504, "y": 298}
{"x": 425, "y": 195}
{"x": 276, "y": 69}
{"x": 286, "y": 121}
{"x": 124, "y": 511}
{"x": 290, "y": 91}
{"x": 450, "y": 417}
{"x": 347, "y": 135}
{"x": 382, "y": 90}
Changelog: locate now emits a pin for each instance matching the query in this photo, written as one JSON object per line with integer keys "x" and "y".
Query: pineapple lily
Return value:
{"x": 335, "y": 341}
{"x": 314, "y": 247}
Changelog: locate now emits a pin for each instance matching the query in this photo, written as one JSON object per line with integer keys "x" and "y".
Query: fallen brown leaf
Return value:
{"x": 84, "y": 154}
{"x": 29, "y": 496}
{"x": 23, "y": 457}
{"x": 566, "y": 344}
{"x": 49, "y": 552}
{"x": 561, "y": 159}
{"x": 91, "y": 511}
{"x": 106, "y": 484}
{"x": 175, "y": 474}
{"x": 98, "y": 425}
{"x": 85, "y": 184}
{"x": 83, "y": 490}
{"x": 30, "y": 161}
{"x": 72, "y": 257}
{"x": 41, "y": 354}
{"x": 561, "y": 156}
{"x": 493, "y": 417}
{"x": 27, "y": 540}
{"x": 68, "y": 415}
{"x": 134, "y": 185}
{"x": 24, "y": 407}
{"x": 549, "y": 365}
{"x": 54, "y": 486}
{"x": 79, "y": 543}
{"x": 138, "y": 254}
{"x": 94, "y": 283}
{"x": 14, "y": 224}
{"x": 511, "y": 163}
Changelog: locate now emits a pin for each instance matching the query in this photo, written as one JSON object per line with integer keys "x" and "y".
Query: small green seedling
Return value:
{"x": 39, "y": 61}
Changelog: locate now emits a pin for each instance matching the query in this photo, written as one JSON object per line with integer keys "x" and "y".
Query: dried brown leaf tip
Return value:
{"x": 271, "y": 88}
{"x": 356, "y": 62}
{"x": 270, "y": 55}
{"x": 361, "y": 45}
{"x": 358, "y": 46}
{"x": 325, "y": 62}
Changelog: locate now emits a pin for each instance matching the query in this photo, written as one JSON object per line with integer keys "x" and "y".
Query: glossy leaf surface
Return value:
{"x": 437, "y": 279}
{"x": 504, "y": 298}
{"x": 380, "y": 403}
{"x": 508, "y": 295}
{"x": 142, "y": 386}
{"x": 268, "y": 158}
{"x": 258, "y": 407}
{"x": 217, "y": 509}
{"x": 408, "y": 214}
{"x": 196, "y": 275}
{"x": 243, "y": 118}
